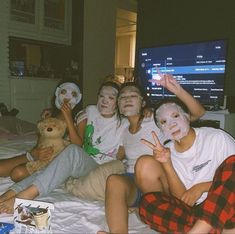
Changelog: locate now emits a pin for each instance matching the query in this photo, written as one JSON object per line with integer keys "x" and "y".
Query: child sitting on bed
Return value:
{"x": 189, "y": 162}
{"x": 65, "y": 102}
{"x": 121, "y": 190}
{"x": 73, "y": 161}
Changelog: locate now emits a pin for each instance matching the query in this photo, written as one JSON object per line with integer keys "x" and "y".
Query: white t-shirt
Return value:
{"x": 132, "y": 145}
{"x": 199, "y": 163}
{"x": 103, "y": 134}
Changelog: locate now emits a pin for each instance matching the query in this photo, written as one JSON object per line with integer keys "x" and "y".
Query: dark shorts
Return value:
{"x": 131, "y": 176}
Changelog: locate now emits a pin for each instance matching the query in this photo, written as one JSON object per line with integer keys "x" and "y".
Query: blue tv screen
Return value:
{"x": 200, "y": 67}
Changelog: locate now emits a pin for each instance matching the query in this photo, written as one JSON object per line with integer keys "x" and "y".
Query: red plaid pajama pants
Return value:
{"x": 167, "y": 214}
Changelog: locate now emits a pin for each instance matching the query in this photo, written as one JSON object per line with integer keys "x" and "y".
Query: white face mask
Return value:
{"x": 67, "y": 93}
{"x": 107, "y": 100}
{"x": 130, "y": 101}
{"x": 173, "y": 121}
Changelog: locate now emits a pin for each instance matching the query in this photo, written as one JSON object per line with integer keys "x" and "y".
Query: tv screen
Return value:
{"x": 199, "y": 67}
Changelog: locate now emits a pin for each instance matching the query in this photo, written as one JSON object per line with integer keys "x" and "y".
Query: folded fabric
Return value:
{"x": 92, "y": 186}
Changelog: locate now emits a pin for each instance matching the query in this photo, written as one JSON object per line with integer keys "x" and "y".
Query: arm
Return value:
{"x": 194, "y": 193}
{"x": 176, "y": 187}
{"x": 121, "y": 153}
{"x": 39, "y": 153}
{"x": 76, "y": 132}
{"x": 163, "y": 155}
{"x": 195, "y": 108}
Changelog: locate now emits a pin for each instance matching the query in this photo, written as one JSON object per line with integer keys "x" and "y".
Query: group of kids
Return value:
{"x": 181, "y": 178}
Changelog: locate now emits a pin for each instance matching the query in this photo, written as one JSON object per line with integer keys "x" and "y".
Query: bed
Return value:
{"x": 71, "y": 214}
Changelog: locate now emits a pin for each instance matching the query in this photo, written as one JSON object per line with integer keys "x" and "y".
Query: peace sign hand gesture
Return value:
{"x": 167, "y": 81}
{"x": 160, "y": 153}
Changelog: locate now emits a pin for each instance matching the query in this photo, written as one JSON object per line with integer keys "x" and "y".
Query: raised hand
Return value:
{"x": 67, "y": 112}
{"x": 160, "y": 153}
{"x": 167, "y": 81}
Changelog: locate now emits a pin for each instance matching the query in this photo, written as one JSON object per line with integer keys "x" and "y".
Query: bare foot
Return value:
{"x": 7, "y": 206}
{"x": 102, "y": 232}
{"x": 8, "y": 194}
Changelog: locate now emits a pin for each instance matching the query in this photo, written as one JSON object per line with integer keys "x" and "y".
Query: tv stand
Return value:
{"x": 218, "y": 119}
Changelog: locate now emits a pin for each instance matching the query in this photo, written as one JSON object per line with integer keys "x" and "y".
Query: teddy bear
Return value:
{"x": 51, "y": 132}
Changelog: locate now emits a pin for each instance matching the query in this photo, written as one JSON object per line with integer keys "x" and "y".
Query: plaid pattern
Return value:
{"x": 167, "y": 214}
{"x": 219, "y": 208}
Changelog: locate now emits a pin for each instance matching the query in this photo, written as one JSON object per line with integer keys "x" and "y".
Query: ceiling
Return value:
{"x": 125, "y": 22}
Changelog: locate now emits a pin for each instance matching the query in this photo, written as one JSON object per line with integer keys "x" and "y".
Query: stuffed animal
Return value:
{"x": 51, "y": 133}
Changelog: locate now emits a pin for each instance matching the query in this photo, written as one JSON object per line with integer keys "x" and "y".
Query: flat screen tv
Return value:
{"x": 200, "y": 67}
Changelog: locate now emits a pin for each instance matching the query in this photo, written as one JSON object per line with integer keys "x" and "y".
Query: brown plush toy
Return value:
{"x": 51, "y": 133}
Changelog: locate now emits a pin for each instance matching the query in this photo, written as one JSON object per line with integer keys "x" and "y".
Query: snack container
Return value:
{"x": 32, "y": 216}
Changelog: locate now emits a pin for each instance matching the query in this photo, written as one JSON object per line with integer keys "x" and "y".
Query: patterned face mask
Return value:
{"x": 107, "y": 100}
{"x": 173, "y": 121}
{"x": 67, "y": 93}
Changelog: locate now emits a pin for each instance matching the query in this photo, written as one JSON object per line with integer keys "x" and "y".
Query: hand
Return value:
{"x": 160, "y": 153}
{"x": 42, "y": 153}
{"x": 191, "y": 195}
{"x": 67, "y": 112}
{"x": 167, "y": 81}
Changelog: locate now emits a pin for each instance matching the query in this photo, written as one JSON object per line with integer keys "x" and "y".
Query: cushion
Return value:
{"x": 11, "y": 124}
{"x": 92, "y": 186}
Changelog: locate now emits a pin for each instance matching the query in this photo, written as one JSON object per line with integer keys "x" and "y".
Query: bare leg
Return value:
{"x": 203, "y": 227}
{"x": 7, "y": 165}
{"x": 200, "y": 227}
{"x": 7, "y": 206}
{"x": 150, "y": 175}
{"x": 19, "y": 173}
{"x": 228, "y": 231}
{"x": 120, "y": 192}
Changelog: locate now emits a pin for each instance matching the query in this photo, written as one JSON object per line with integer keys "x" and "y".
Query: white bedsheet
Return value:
{"x": 71, "y": 214}
{"x": 12, "y": 145}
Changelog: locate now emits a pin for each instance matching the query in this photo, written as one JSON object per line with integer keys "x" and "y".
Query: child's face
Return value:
{"x": 130, "y": 101}
{"x": 107, "y": 101}
{"x": 173, "y": 121}
{"x": 67, "y": 93}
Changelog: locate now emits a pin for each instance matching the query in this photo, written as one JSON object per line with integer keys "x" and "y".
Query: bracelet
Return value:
{"x": 29, "y": 156}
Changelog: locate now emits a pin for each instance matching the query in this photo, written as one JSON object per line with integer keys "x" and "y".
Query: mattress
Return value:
{"x": 70, "y": 214}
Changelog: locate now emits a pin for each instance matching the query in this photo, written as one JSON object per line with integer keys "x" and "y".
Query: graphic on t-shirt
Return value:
{"x": 199, "y": 167}
{"x": 88, "y": 139}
